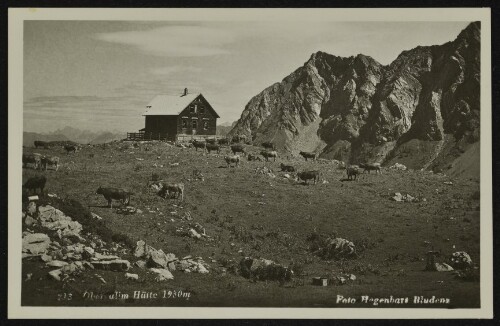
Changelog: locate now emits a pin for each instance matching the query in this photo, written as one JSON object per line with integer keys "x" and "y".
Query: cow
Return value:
{"x": 169, "y": 189}
{"x": 50, "y": 160}
{"x": 237, "y": 149}
{"x": 370, "y": 166}
{"x": 232, "y": 159}
{"x": 252, "y": 157}
{"x": 308, "y": 175}
{"x": 223, "y": 141}
{"x": 239, "y": 139}
{"x": 307, "y": 155}
{"x": 211, "y": 141}
{"x": 70, "y": 148}
{"x": 116, "y": 194}
{"x": 268, "y": 145}
{"x": 287, "y": 168}
{"x": 33, "y": 158}
{"x": 199, "y": 144}
{"x": 268, "y": 154}
{"x": 35, "y": 183}
{"x": 352, "y": 171}
{"x": 39, "y": 143}
{"x": 213, "y": 147}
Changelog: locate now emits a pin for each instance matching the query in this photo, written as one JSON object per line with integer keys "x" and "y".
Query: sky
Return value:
{"x": 100, "y": 75}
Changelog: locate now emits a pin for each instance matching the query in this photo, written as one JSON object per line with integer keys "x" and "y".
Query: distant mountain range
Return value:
{"x": 73, "y": 134}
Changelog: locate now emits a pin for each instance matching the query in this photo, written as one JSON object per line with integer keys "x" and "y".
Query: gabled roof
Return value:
{"x": 169, "y": 104}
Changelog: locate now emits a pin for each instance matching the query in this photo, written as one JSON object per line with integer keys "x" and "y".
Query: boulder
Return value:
{"x": 130, "y": 276}
{"x": 442, "y": 267}
{"x": 142, "y": 249}
{"x": 36, "y": 243}
{"x": 162, "y": 274}
{"x": 98, "y": 256}
{"x": 56, "y": 263}
{"x": 29, "y": 220}
{"x": 31, "y": 210}
{"x": 460, "y": 260}
{"x": 140, "y": 263}
{"x": 56, "y": 274}
{"x": 158, "y": 258}
{"x": 397, "y": 197}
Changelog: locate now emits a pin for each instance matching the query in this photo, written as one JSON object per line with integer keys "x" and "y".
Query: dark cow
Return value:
{"x": 211, "y": 141}
{"x": 268, "y": 145}
{"x": 33, "y": 158}
{"x": 39, "y": 143}
{"x": 70, "y": 148}
{"x": 287, "y": 168}
{"x": 252, "y": 157}
{"x": 199, "y": 144}
{"x": 50, "y": 160}
{"x": 213, "y": 147}
{"x": 268, "y": 154}
{"x": 172, "y": 189}
{"x": 352, "y": 171}
{"x": 370, "y": 167}
{"x": 35, "y": 183}
{"x": 307, "y": 155}
{"x": 237, "y": 149}
{"x": 232, "y": 159}
{"x": 308, "y": 175}
{"x": 116, "y": 194}
{"x": 223, "y": 141}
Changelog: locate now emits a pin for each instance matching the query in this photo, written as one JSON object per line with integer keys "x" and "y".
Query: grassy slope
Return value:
{"x": 271, "y": 218}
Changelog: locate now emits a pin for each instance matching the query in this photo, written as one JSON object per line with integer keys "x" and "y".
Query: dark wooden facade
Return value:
{"x": 198, "y": 118}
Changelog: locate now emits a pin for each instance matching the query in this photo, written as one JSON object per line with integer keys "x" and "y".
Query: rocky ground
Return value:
{"x": 392, "y": 234}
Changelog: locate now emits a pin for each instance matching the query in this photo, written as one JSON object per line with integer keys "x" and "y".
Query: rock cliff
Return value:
{"x": 356, "y": 109}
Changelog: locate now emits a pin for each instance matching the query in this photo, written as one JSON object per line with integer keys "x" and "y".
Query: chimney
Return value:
{"x": 185, "y": 92}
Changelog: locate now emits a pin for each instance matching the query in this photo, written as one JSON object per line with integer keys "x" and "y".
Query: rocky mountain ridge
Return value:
{"x": 423, "y": 108}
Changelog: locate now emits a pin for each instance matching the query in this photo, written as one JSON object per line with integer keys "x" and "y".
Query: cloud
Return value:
{"x": 174, "y": 41}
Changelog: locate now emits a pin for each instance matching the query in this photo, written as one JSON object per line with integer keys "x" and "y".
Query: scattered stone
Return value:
{"x": 448, "y": 183}
{"x": 140, "y": 263}
{"x": 126, "y": 210}
{"x": 95, "y": 216}
{"x": 98, "y": 256}
{"x": 460, "y": 260}
{"x": 56, "y": 274}
{"x": 398, "y": 166}
{"x": 194, "y": 234}
{"x": 29, "y": 221}
{"x": 31, "y": 208}
{"x": 56, "y": 263}
{"x": 158, "y": 258}
{"x": 321, "y": 281}
{"x": 32, "y": 198}
{"x": 264, "y": 269}
{"x": 442, "y": 267}
{"x": 35, "y": 243}
{"x": 100, "y": 278}
{"x": 129, "y": 276}
{"x": 163, "y": 274}
{"x": 28, "y": 277}
{"x": 174, "y": 164}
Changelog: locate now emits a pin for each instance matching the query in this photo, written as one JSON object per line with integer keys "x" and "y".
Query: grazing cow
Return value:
{"x": 232, "y": 159}
{"x": 370, "y": 166}
{"x": 308, "y": 175}
{"x": 211, "y": 141}
{"x": 252, "y": 157}
{"x": 39, "y": 143}
{"x": 33, "y": 158}
{"x": 116, "y": 194}
{"x": 172, "y": 189}
{"x": 50, "y": 160}
{"x": 237, "y": 149}
{"x": 70, "y": 148}
{"x": 352, "y": 171}
{"x": 199, "y": 144}
{"x": 213, "y": 147}
{"x": 287, "y": 168}
{"x": 268, "y": 154}
{"x": 223, "y": 141}
{"x": 35, "y": 183}
{"x": 307, "y": 155}
{"x": 268, "y": 145}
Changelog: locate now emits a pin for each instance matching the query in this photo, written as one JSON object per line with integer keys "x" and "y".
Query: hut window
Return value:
{"x": 202, "y": 109}
{"x": 195, "y": 124}
{"x": 205, "y": 125}
{"x": 184, "y": 123}
{"x": 192, "y": 109}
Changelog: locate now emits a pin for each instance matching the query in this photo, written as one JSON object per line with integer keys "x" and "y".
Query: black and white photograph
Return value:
{"x": 250, "y": 158}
